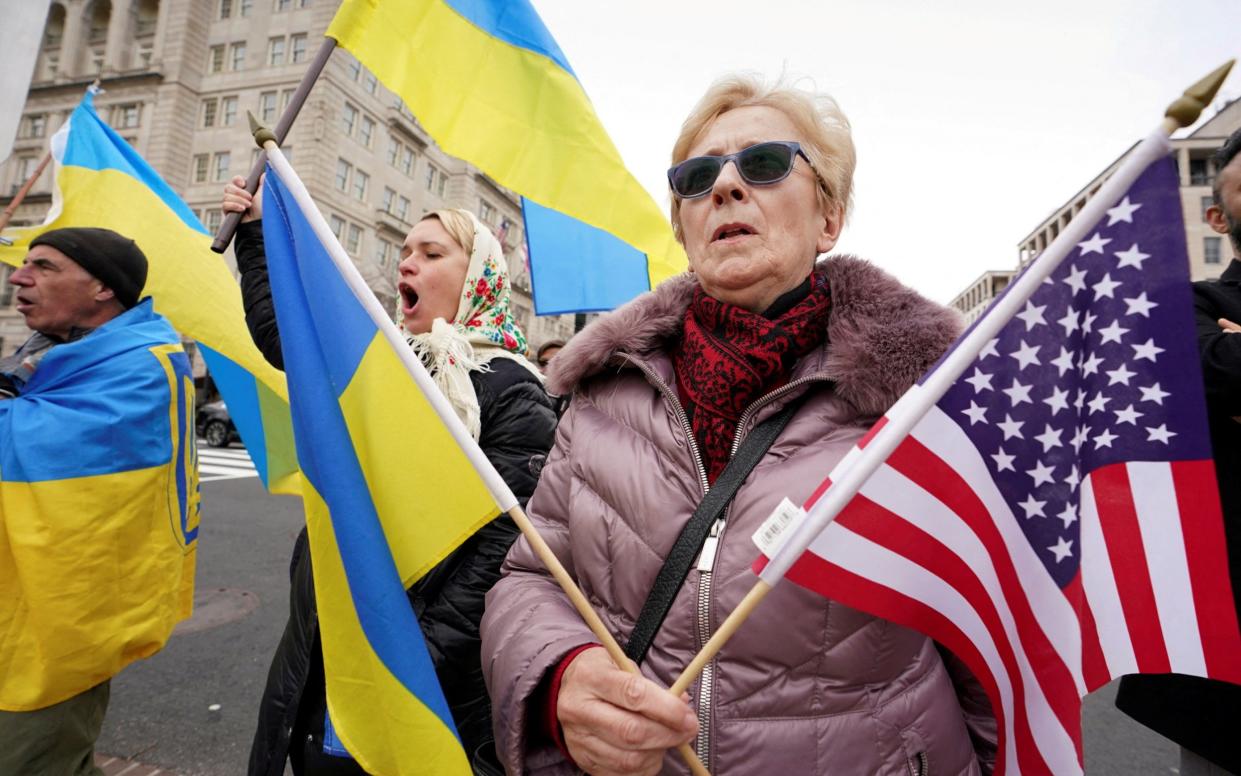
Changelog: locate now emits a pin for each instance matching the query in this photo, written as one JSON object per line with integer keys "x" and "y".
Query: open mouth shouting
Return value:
{"x": 409, "y": 298}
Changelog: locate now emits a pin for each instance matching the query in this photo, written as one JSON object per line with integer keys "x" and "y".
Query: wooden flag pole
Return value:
{"x": 588, "y": 613}
{"x": 1181, "y": 113}
{"x": 229, "y": 226}
{"x": 7, "y": 215}
{"x": 500, "y": 491}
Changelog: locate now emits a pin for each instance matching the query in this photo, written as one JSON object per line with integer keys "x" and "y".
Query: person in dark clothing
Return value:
{"x": 1201, "y": 715}
{"x": 454, "y": 301}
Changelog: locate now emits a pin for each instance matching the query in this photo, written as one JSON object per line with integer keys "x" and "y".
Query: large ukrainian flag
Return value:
{"x": 98, "y": 509}
{"x": 388, "y": 494}
{"x": 491, "y": 85}
{"x": 102, "y": 181}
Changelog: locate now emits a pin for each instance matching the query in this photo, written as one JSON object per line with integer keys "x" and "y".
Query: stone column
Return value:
{"x": 120, "y": 28}
{"x": 74, "y": 41}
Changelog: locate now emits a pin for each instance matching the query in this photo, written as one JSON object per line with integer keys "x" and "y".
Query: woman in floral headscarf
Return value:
{"x": 454, "y": 291}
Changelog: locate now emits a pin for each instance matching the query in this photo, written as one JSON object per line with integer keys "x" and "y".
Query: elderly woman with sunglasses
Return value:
{"x": 663, "y": 390}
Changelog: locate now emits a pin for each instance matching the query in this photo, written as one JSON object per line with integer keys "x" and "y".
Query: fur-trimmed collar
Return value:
{"x": 881, "y": 335}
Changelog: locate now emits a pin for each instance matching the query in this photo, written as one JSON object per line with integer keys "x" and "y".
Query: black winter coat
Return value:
{"x": 1199, "y": 714}
{"x": 518, "y": 428}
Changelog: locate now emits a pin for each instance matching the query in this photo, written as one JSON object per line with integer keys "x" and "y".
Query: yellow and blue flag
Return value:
{"x": 491, "y": 85}
{"x": 388, "y": 494}
{"x": 98, "y": 509}
{"x": 102, "y": 181}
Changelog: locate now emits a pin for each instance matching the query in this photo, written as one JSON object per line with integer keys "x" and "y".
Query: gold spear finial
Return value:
{"x": 261, "y": 133}
{"x": 1189, "y": 106}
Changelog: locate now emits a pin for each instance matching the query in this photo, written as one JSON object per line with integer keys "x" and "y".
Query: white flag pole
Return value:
{"x": 848, "y": 477}
{"x": 500, "y": 490}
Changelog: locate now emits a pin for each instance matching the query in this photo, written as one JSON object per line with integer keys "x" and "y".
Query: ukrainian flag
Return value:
{"x": 491, "y": 85}
{"x": 98, "y": 509}
{"x": 101, "y": 181}
{"x": 388, "y": 494}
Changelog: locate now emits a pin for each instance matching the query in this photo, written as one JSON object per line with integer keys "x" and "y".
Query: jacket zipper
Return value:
{"x": 706, "y": 560}
{"x": 923, "y": 766}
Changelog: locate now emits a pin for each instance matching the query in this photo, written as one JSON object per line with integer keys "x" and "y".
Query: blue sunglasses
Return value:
{"x": 761, "y": 164}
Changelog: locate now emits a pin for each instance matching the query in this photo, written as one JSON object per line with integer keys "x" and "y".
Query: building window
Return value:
{"x": 1206, "y": 204}
{"x": 366, "y": 131}
{"x": 286, "y": 97}
{"x": 407, "y": 160}
{"x": 303, "y": 3}
{"x": 215, "y": 59}
{"x": 370, "y": 82}
{"x": 348, "y": 119}
{"x": 275, "y": 51}
{"x": 25, "y": 168}
{"x": 237, "y": 56}
{"x": 222, "y": 162}
{"x": 402, "y": 208}
{"x": 127, "y": 116}
{"x": 209, "y": 110}
{"x": 389, "y": 199}
{"x": 354, "y": 244}
{"x": 214, "y": 217}
{"x": 343, "y": 169}
{"x": 1198, "y": 174}
{"x": 383, "y": 249}
{"x": 297, "y": 48}
{"x": 243, "y": 8}
{"x": 283, "y": 5}
{"x": 6, "y": 291}
{"x": 34, "y": 125}
{"x": 228, "y": 111}
{"x": 394, "y": 150}
{"x": 436, "y": 179}
{"x": 360, "y": 181}
{"x": 486, "y": 212}
{"x": 354, "y": 68}
{"x": 337, "y": 225}
{"x": 226, "y": 8}
{"x": 1211, "y": 250}
{"x": 53, "y": 65}
{"x": 267, "y": 107}
{"x": 200, "y": 168}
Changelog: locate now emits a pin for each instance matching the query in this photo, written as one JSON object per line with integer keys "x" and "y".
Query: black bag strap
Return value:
{"x": 676, "y": 566}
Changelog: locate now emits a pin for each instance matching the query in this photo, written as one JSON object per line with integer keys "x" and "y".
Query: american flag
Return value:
{"x": 1054, "y": 519}
{"x": 502, "y": 231}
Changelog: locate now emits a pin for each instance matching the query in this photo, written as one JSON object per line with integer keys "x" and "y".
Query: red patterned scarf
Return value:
{"x": 728, "y": 357}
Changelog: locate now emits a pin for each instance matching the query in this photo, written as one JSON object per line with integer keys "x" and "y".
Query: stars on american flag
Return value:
{"x": 1070, "y": 384}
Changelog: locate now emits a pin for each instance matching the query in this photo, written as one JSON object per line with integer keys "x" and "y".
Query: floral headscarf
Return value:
{"x": 483, "y": 329}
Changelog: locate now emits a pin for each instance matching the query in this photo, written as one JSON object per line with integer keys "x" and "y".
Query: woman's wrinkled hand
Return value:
{"x": 238, "y": 200}
{"x": 616, "y": 722}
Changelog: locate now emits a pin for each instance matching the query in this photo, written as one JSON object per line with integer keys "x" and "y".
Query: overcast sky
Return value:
{"x": 973, "y": 120}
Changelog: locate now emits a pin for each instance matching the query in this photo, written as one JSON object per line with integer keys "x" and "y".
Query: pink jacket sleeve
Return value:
{"x": 529, "y": 625}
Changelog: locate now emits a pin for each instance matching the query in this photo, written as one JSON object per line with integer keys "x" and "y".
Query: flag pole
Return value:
{"x": 229, "y": 226}
{"x": 7, "y": 215}
{"x": 848, "y": 479}
{"x": 500, "y": 491}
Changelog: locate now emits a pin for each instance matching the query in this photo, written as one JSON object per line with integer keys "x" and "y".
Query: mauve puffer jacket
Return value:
{"x": 807, "y": 686}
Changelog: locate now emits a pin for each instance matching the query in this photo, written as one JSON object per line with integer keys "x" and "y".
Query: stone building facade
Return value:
{"x": 178, "y": 77}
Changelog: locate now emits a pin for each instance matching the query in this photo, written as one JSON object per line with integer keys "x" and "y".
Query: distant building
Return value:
{"x": 973, "y": 300}
{"x": 1208, "y": 253}
{"x": 178, "y": 77}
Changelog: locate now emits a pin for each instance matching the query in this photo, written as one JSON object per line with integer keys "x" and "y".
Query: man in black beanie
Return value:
{"x": 72, "y": 281}
{"x": 96, "y": 440}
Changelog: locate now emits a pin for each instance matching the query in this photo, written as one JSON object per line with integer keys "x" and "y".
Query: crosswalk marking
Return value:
{"x": 223, "y": 463}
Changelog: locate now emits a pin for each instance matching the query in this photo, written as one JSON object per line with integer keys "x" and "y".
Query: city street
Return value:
{"x": 190, "y": 710}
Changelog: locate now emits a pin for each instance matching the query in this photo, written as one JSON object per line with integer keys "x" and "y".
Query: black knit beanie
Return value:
{"x": 115, "y": 260}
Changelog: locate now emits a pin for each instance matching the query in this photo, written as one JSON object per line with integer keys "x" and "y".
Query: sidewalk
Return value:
{"x": 115, "y": 766}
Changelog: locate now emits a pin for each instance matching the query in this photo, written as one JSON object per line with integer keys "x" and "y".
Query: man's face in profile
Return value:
{"x": 1225, "y": 218}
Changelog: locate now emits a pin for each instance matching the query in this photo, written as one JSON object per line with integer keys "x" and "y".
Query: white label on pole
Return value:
{"x": 767, "y": 537}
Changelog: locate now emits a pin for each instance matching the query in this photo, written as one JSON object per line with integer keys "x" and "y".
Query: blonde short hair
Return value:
{"x": 458, "y": 224}
{"x": 826, "y": 136}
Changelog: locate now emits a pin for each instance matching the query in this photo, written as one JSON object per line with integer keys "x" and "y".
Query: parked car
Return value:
{"x": 215, "y": 426}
